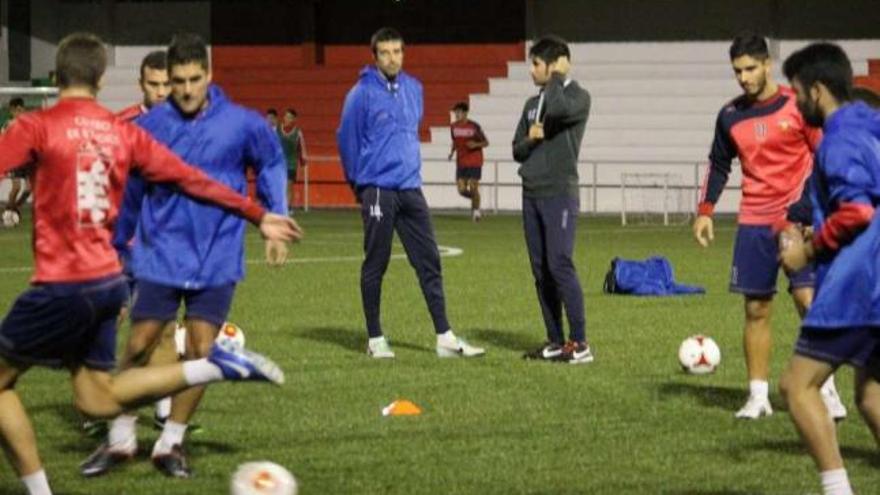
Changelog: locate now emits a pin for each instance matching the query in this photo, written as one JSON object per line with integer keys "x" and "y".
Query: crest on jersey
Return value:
{"x": 784, "y": 125}
{"x": 760, "y": 131}
{"x": 92, "y": 188}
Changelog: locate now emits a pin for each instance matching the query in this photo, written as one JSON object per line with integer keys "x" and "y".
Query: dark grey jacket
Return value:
{"x": 549, "y": 166}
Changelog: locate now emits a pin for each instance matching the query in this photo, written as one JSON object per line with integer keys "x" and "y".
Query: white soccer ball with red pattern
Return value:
{"x": 231, "y": 334}
{"x": 263, "y": 478}
{"x": 699, "y": 355}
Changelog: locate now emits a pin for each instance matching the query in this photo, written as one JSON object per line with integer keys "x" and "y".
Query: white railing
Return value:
{"x": 590, "y": 184}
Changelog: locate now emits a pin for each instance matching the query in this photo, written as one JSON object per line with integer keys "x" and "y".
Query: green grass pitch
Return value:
{"x": 631, "y": 422}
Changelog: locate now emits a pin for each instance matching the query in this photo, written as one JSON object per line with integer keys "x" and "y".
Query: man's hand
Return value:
{"x": 704, "y": 230}
{"x": 276, "y": 252}
{"x": 276, "y": 227}
{"x": 536, "y": 132}
{"x": 562, "y": 66}
{"x": 794, "y": 252}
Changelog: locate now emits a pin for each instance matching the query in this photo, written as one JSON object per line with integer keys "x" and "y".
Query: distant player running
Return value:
{"x": 83, "y": 154}
{"x": 775, "y": 147}
{"x": 468, "y": 142}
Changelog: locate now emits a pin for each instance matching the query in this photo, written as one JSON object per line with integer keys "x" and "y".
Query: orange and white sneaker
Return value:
{"x": 576, "y": 353}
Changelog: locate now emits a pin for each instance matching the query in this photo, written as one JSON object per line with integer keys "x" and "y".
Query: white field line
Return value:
{"x": 445, "y": 251}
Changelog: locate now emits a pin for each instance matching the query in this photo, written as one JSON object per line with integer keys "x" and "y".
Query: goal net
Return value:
{"x": 653, "y": 198}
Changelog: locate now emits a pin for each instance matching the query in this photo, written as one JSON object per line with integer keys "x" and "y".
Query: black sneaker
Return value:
{"x": 550, "y": 351}
{"x": 102, "y": 460}
{"x": 173, "y": 464}
{"x": 576, "y": 353}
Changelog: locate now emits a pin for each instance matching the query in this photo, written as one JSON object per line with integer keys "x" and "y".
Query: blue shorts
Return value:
{"x": 755, "y": 264}
{"x": 464, "y": 173}
{"x": 154, "y": 301}
{"x": 65, "y": 324}
{"x": 859, "y": 346}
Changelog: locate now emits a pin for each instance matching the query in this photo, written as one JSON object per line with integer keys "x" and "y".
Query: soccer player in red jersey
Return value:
{"x": 775, "y": 148}
{"x": 468, "y": 142}
{"x": 83, "y": 155}
{"x": 154, "y": 84}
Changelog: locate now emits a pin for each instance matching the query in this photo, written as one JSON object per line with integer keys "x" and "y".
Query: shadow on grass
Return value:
{"x": 353, "y": 339}
{"x": 869, "y": 456}
{"x": 504, "y": 338}
{"x": 727, "y": 398}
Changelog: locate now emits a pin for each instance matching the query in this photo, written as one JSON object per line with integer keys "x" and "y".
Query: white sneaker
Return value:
{"x": 378, "y": 348}
{"x": 476, "y": 215}
{"x": 835, "y": 407}
{"x": 755, "y": 408}
{"x": 456, "y": 347}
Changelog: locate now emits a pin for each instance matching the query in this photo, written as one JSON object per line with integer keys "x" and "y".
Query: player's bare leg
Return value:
{"x": 15, "y": 188}
{"x": 463, "y": 189}
{"x": 165, "y": 352}
{"x": 757, "y": 343}
{"x": 18, "y": 438}
{"x": 803, "y": 298}
{"x": 473, "y": 186}
{"x": 868, "y": 400}
{"x": 799, "y": 385}
{"x": 168, "y": 454}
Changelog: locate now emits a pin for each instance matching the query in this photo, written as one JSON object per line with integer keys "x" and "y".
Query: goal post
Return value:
{"x": 650, "y": 197}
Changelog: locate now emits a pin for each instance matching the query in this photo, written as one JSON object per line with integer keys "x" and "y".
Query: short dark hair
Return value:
{"x": 461, "y": 106}
{"x": 751, "y": 44}
{"x": 291, "y": 111}
{"x": 385, "y": 34}
{"x": 81, "y": 61}
{"x": 156, "y": 60}
{"x": 187, "y": 48}
{"x": 866, "y": 95}
{"x": 549, "y": 48}
{"x": 824, "y": 63}
{"x": 17, "y": 102}
{"x": 272, "y": 111}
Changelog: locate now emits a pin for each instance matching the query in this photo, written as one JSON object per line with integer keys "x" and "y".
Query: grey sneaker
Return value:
{"x": 379, "y": 349}
{"x": 457, "y": 347}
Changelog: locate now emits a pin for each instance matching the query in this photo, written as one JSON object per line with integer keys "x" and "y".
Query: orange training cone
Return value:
{"x": 401, "y": 407}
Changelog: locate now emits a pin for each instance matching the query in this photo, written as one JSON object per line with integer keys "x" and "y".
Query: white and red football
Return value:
{"x": 699, "y": 355}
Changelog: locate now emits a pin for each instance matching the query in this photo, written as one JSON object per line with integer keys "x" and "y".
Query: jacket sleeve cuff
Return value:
{"x": 706, "y": 209}
{"x": 254, "y": 213}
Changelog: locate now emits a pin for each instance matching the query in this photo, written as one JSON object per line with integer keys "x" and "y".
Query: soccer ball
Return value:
{"x": 263, "y": 478}
{"x": 699, "y": 355}
{"x": 11, "y": 218}
{"x": 231, "y": 334}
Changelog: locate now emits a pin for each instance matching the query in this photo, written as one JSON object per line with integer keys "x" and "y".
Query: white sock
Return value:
{"x": 171, "y": 435}
{"x": 447, "y": 338}
{"x": 201, "y": 371}
{"x": 36, "y": 483}
{"x": 759, "y": 388}
{"x": 829, "y": 388}
{"x": 163, "y": 407}
{"x": 835, "y": 482}
{"x": 122, "y": 435}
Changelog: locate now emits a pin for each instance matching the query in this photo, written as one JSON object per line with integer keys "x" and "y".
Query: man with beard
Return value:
{"x": 775, "y": 148}
{"x": 841, "y": 326}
